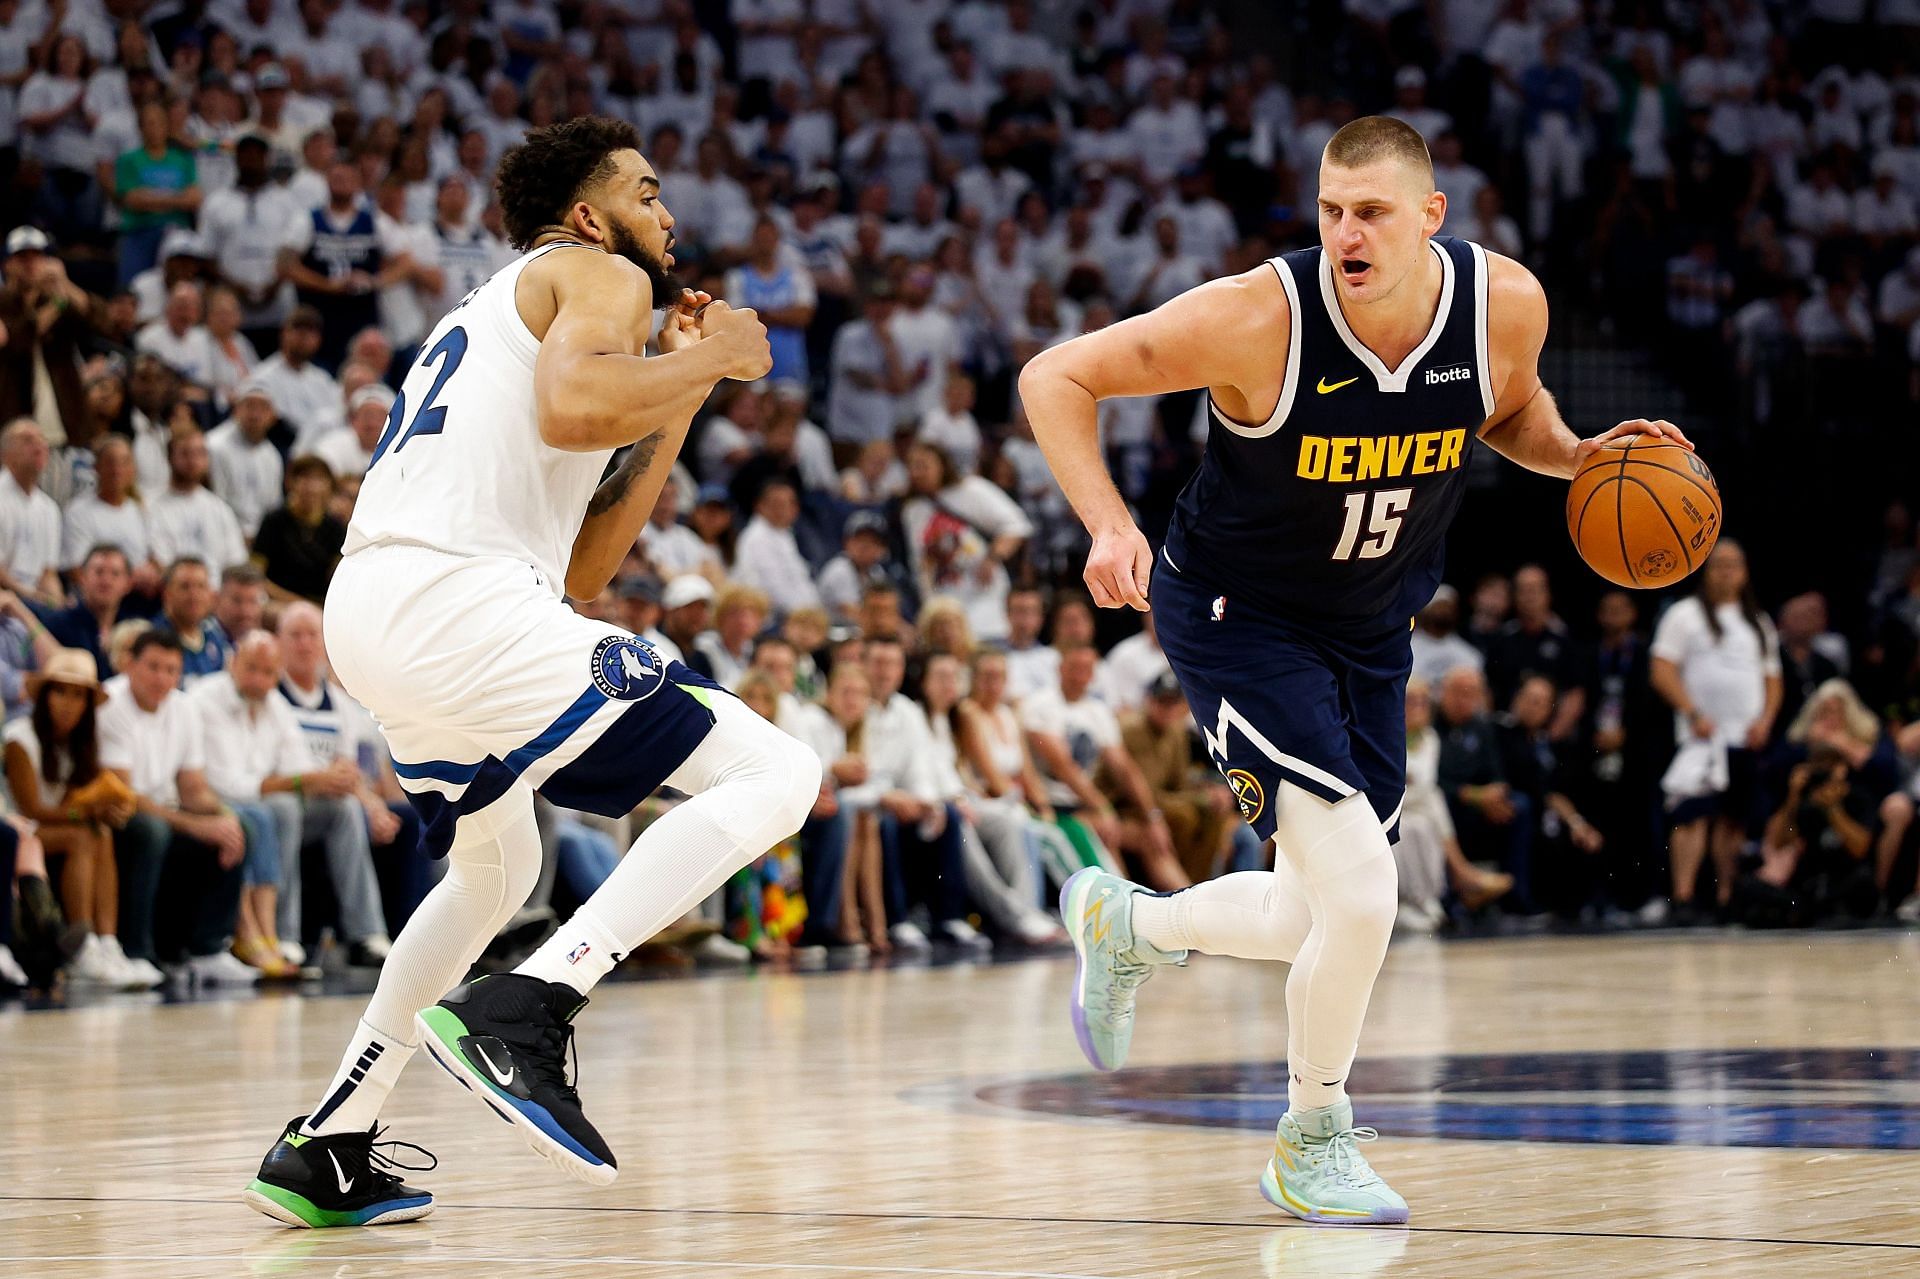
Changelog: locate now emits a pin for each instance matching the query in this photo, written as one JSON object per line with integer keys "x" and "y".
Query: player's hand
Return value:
{"x": 1659, "y": 428}
{"x": 680, "y": 326}
{"x": 743, "y": 336}
{"x": 1118, "y": 569}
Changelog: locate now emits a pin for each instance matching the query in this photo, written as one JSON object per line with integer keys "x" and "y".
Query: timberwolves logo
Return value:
{"x": 1799, "y": 1098}
{"x": 627, "y": 669}
{"x": 1247, "y": 792}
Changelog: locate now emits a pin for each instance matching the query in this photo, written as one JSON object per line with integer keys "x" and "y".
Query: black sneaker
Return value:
{"x": 505, "y": 1038}
{"x": 337, "y": 1180}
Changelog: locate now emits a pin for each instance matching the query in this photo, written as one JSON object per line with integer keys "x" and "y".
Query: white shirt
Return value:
{"x": 247, "y": 742}
{"x": 306, "y": 397}
{"x": 247, "y": 476}
{"x": 197, "y": 524}
{"x": 29, "y": 531}
{"x": 491, "y": 485}
{"x": 244, "y": 232}
{"x": 1129, "y": 670}
{"x": 1087, "y": 726}
{"x": 1031, "y": 670}
{"x": 91, "y": 522}
{"x": 1725, "y": 676}
{"x": 334, "y": 725}
{"x": 152, "y": 747}
{"x": 770, "y": 558}
{"x": 189, "y": 354}
{"x": 340, "y": 449}
{"x": 857, "y": 414}
{"x": 19, "y": 732}
{"x": 676, "y": 550}
{"x": 955, "y": 434}
{"x": 927, "y": 339}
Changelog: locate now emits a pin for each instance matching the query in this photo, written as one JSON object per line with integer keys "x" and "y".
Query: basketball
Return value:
{"x": 1643, "y": 512}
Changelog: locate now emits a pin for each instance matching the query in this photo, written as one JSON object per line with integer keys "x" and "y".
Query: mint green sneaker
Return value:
{"x": 1097, "y": 910}
{"x": 1318, "y": 1174}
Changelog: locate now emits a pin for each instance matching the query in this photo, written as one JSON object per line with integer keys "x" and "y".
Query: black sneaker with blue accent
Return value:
{"x": 337, "y": 1180}
{"x": 506, "y": 1038}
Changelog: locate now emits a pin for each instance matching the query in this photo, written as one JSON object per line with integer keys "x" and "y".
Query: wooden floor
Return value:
{"x": 941, "y": 1122}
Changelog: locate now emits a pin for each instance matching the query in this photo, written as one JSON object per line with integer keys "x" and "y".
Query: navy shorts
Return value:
{"x": 1282, "y": 701}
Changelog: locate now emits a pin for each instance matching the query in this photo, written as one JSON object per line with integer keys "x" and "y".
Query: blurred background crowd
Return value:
{"x": 231, "y": 222}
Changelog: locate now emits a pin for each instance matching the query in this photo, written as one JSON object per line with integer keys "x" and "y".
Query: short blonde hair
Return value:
{"x": 1361, "y": 142}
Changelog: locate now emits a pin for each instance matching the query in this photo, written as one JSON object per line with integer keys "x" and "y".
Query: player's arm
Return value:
{"x": 593, "y": 388}
{"x": 1229, "y": 334}
{"x": 1526, "y": 426}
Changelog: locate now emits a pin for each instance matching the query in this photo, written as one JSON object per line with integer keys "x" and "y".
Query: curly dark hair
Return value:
{"x": 541, "y": 177}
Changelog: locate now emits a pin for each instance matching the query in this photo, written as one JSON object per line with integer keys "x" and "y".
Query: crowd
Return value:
{"x": 232, "y": 222}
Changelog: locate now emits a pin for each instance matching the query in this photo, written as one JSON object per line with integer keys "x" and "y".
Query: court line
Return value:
{"x": 1003, "y": 1219}
{"x": 650, "y": 1263}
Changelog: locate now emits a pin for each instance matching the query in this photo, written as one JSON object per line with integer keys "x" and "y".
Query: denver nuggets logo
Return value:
{"x": 1247, "y": 792}
{"x": 627, "y": 669}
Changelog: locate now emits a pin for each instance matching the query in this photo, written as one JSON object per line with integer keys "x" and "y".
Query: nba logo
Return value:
{"x": 1219, "y": 607}
{"x": 578, "y": 953}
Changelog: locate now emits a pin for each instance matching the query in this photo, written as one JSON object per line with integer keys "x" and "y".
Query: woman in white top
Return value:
{"x": 837, "y": 735}
{"x": 50, "y": 754}
{"x": 961, "y": 530}
{"x": 1003, "y": 874}
{"x": 1001, "y": 771}
{"x": 1716, "y": 660}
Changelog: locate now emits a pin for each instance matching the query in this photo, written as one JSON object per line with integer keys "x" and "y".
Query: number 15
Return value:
{"x": 1383, "y": 525}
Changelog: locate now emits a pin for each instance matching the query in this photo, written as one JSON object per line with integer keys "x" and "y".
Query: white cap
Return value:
{"x": 688, "y": 588}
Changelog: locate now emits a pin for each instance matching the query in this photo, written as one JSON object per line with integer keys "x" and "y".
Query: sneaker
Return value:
{"x": 220, "y": 969}
{"x": 337, "y": 1180}
{"x": 1112, "y": 964}
{"x": 717, "y": 951}
{"x": 11, "y": 973}
{"x": 1318, "y": 1174}
{"x": 135, "y": 974}
{"x": 505, "y": 1038}
{"x": 1039, "y": 930}
{"x": 293, "y": 952}
{"x": 1908, "y": 911}
{"x": 1654, "y": 914}
{"x": 94, "y": 965}
{"x": 962, "y": 934}
{"x": 906, "y": 935}
{"x": 369, "y": 952}
{"x": 1413, "y": 920}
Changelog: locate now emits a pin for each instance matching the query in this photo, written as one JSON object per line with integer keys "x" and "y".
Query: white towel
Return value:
{"x": 1699, "y": 768}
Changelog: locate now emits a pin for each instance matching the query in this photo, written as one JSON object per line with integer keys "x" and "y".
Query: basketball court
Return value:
{"x": 1715, "y": 1103}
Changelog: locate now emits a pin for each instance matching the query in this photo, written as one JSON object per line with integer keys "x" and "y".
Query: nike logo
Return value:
{"x": 503, "y": 1078}
{"x": 1325, "y": 389}
{"x": 346, "y": 1182}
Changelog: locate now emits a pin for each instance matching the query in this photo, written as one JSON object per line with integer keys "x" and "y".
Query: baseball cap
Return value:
{"x": 182, "y": 243}
{"x": 641, "y": 586}
{"x": 1165, "y": 687}
{"x": 271, "y": 76}
{"x": 255, "y": 386}
{"x": 715, "y": 494}
{"x": 372, "y": 393}
{"x": 688, "y": 588}
{"x": 27, "y": 239}
{"x": 866, "y": 522}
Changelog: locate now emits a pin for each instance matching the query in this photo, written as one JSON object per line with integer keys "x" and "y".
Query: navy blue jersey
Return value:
{"x": 1336, "y": 508}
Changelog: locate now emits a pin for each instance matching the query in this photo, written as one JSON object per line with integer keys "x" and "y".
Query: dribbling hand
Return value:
{"x": 1659, "y": 428}
{"x": 1118, "y": 569}
{"x": 744, "y": 336}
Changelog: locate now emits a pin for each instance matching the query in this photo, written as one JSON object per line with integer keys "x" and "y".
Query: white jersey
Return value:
{"x": 461, "y": 466}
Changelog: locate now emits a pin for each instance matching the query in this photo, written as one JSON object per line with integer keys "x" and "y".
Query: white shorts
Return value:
{"x": 480, "y": 676}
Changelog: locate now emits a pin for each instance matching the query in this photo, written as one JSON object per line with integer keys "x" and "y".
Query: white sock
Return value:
{"x": 368, "y": 1071}
{"x": 751, "y": 786}
{"x": 1252, "y": 914}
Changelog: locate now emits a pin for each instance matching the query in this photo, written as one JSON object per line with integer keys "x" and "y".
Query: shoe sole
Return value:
{"x": 1276, "y": 1194}
{"x": 442, "y": 1044}
{"x": 1073, "y": 901}
{"x": 298, "y": 1211}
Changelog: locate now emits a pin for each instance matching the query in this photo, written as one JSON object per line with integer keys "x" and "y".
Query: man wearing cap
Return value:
{"x": 45, "y": 316}
{"x": 183, "y": 259}
{"x": 671, "y": 546}
{"x": 243, "y": 228}
{"x": 176, "y": 338}
{"x": 303, "y": 393}
{"x": 860, "y": 564}
{"x": 246, "y": 468}
{"x": 348, "y": 450}
{"x": 686, "y": 607}
{"x": 1198, "y": 814}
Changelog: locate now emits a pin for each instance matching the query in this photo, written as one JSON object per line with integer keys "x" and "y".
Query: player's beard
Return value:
{"x": 627, "y": 245}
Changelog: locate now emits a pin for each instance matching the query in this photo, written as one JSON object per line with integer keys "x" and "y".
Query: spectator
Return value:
{"x": 1818, "y": 844}
{"x": 243, "y": 228}
{"x": 348, "y": 450}
{"x": 230, "y": 356}
{"x": 257, "y": 755}
{"x": 157, "y": 188}
{"x": 1428, "y": 853}
{"x": 952, "y": 427}
{"x": 240, "y": 604}
{"x": 54, "y": 777}
{"x": 1626, "y": 733}
{"x": 869, "y": 383}
{"x": 862, "y": 562}
{"x": 961, "y": 531}
{"x": 672, "y": 547}
{"x": 1032, "y": 667}
{"x": 45, "y": 317}
{"x": 29, "y": 519}
{"x": 1491, "y": 821}
{"x": 1132, "y": 667}
{"x": 768, "y": 556}
{"x": 180, "y": 854}
{"x": 303, "y": 392}
{"x": 1070, "y": 736}
{"x": 848, "y": 888}
{"x": 1565, "y": 844}
{"x": 340, "y": 257}
{"x": 246, "y": 469}
{"x": 722, "y": 654}
{"x": 1437, "y": 644}
{"x": 685, "y": 606}
{"x": 188, "y": 521}
{"x": 774, "y": 280}
{"x": 176, "y": 338}
{"x": 25, "y": 645}
{"x": 1716, "y": 661}
{"x": 299, "y": 542}
{"x": 1199, "y": 814}
{"x": 1535, "y": 642}
{"x": 104, "y": 582}
{"x": 1803, "y": 667}
{"x": 186, "y": 613}
{"x": 111, "y": 515}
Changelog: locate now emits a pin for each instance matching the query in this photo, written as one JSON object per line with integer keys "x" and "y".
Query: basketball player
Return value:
{"x": 484, "y": 502}
{"x": 1348, "y": 384}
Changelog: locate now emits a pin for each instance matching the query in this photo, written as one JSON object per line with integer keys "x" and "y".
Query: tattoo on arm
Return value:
{"x": 614, "y": 488}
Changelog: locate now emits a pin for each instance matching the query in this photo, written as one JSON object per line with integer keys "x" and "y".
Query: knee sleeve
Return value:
{"x": 1343, "y": 856}
{"x": 775, "y": 777}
